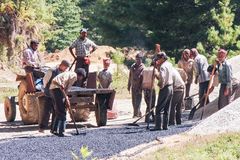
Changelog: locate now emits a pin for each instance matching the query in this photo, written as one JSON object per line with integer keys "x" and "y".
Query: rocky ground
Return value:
{"x": 117, "y": 139}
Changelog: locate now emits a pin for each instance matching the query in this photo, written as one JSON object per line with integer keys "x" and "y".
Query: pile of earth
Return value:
{"x": 96, "y": 57}
{"x": 225, "y": 120}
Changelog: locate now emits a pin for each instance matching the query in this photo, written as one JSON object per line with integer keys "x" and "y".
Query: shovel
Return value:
{"x": 150, "y": 104}
{"x": 71, "y": 113}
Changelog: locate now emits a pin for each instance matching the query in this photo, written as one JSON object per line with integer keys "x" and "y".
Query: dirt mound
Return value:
{"x": 96, "y": 57}
{"x": 226, "y": 120}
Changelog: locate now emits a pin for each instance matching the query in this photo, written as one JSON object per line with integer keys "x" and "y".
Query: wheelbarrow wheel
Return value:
{"x": 101, "y": 113}
{"x": 10, "y": 108}
{"x": 28, "y": 105}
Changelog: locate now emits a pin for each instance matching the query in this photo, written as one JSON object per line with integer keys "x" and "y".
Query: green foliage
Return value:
{"x": 67, "y": 24}
{"x": 223, "y": 33}
{"x": 223, "y": 147}
{"x": 120, "y": 81}
{"x": 118, "y": 57}
{"x": 85, "y": 154}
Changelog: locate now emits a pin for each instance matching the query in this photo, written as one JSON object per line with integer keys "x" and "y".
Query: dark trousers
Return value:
{"x": 59, "y": 104}
{"x": 225, "y": 100}
{"x": 188, "y": 86}
{"x": 136, "y": 101}
{"x": 37, "y": 73}
{"x": 80, "y": 63}
{"x": 46, "y": 108}
{"x": 175, "y": 111}
{"x": 163, "y": 103}
{"x": 147, "y": 97}
{"x": 202, "y": 91}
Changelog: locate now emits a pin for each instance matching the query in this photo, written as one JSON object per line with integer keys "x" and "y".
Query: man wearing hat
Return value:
{"x": 166, "y": 90}
{"x": 60, "y": 84}
{"x": 31, "y": 59}
{"x": 46, "y": 100}
{"x": 83, "y": 48}
{"x": 104, "y": 76}
{"x": 135, "y": 84}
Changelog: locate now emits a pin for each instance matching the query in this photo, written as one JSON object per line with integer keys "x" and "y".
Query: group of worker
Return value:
{"x": 175, "y": 83}
{"x": 57, "y": 81}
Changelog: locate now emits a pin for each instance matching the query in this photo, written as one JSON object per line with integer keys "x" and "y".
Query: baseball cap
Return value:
{"x": 83, "y": 30}
{"x": 33, "y": 41}
{"x": 81, "y": 72}
{"x": 139, "y": 55}
{"x": 160, "y": 56}
{"x": 65, "y": 63}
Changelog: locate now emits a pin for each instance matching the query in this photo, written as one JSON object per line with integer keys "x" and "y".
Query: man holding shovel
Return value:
{"x": 166, "y": 90}
{"x": 224, "y": 76}
{"x": 83, "y": 48}
{"x": 58, "y": 88}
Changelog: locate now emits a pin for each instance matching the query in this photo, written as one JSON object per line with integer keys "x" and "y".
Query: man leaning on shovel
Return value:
{"x": 83, "y": 48}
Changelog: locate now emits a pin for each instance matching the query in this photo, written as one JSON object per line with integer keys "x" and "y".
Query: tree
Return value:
{"x": 67, "y": 24}
{"x": 223, "y": 33}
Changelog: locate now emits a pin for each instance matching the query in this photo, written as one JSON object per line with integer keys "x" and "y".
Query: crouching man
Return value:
{"x": 46, "y": 101}
{"x": 60, "y": 84}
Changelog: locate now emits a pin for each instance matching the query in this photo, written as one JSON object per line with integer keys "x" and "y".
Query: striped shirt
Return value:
{"x": 83, "y": 47}
{"x": 200, "y": 67}
{"x": 31, "y": 58}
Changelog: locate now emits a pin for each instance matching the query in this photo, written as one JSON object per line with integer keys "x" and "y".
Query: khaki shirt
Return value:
{"x": 187, "y": 66}
{"x": 183, "y": 75}
{"x": 178, "y": 83}
{"x": 105, "y": 79}
{"x": 65, "y": 79}
{"x": 165, "y": 75}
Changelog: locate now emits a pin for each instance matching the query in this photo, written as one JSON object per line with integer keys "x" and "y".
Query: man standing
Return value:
{"x": 225, "y": 77}
{"x": 135, "y": 84}
{"x": 186, "y": 63}
{"x": 166, "y": 90}
{"x": 46, "y": 100}
{"x": 60, "y": 84}
{"x": 202, "y": 75}
{"x": 104, "y": 76}
{"x": 177, "y": 100}
{"x": 83, "y": 48}
{"x": 31, "y": 60}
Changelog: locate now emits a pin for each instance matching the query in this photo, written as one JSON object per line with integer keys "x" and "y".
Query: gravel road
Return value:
{"x": 114, "y": 140}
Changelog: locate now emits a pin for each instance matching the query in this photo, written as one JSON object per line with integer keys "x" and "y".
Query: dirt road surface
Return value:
{"x": 117, "y": 140}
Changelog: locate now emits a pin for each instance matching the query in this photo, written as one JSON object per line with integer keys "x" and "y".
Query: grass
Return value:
{"x": 5, "y": 92}
{"x": 120, "y": 82}
{"x": 223, "y": 147}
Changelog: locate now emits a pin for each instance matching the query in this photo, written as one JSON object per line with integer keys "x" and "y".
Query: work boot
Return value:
{"x": 54, "y": 126}
{"x": 165, "y": 122}
{"x": 61, "y": 128}
{"x": 157, "y": 123}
